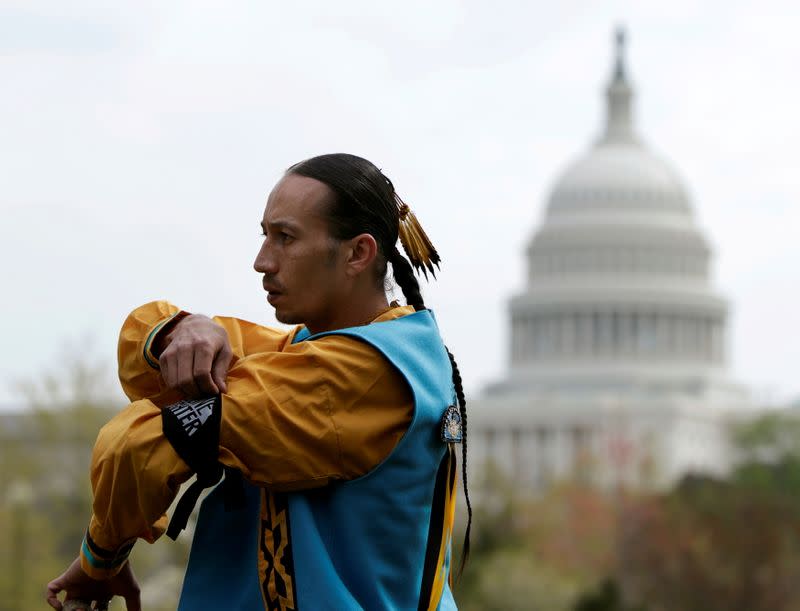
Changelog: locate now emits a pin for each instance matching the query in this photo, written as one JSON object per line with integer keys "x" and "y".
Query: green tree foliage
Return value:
{"x": 730, "y": 543}
{"x": 606, "y": 597}
{"x": 45, "y": 494}
{"x": 713, "y": 545}
{"x": 709, "y": 544}
{"x": 534, "y": 554}
{"x": 771, "y": 437}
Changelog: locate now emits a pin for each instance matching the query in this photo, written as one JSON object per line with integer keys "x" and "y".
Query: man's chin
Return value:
{"x": 287, "y": 318}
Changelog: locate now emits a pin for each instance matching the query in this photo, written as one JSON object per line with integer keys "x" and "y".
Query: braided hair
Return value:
{"x": 365, "y": 202}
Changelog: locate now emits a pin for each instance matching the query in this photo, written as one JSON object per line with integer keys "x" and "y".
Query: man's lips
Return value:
{"x": 273, "y": 291}
{"x": 271, "y": 288}
{"x": 272, "y": 294}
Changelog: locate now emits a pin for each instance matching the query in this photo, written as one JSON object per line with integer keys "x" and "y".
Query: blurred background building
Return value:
{"x": 133, "y": 129}
{"x": 619, "y": 341}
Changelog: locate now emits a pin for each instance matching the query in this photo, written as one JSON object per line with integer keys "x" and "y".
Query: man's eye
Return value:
{"x": 285, "y": 237}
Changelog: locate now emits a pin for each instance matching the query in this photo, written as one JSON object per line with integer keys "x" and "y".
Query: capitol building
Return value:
{"x": 617, "y": 365}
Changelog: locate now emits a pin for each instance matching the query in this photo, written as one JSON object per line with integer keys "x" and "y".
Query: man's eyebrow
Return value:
{"x": 280, "y": 224}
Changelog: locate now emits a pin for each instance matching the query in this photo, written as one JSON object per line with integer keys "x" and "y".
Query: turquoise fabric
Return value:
{"x": 358, "y": 544}
{"x": 223, "y": 572}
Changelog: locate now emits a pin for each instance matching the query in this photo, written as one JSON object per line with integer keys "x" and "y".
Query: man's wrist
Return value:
{"x": 159, "y": 337}
{"x": 100, "y": 563}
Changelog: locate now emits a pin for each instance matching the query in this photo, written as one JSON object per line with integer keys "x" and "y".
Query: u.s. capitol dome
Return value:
{"x": 619, "y": 337}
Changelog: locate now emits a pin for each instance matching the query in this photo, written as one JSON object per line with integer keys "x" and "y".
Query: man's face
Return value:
{"x": 301, "y": 263}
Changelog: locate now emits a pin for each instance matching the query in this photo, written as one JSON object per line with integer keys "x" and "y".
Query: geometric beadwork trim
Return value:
{"x": 275, "y": 557}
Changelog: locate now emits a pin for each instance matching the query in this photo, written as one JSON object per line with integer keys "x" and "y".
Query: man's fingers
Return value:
{"x": 130, "y": 588}
{"x": 202, "y": 371}
{"x": 176, "y": 370}
{"x": 197, "y": 366}
{"x": 53, "y": 588}
{"x": 184, "y": 374}
{"x": 220, "y": 370}
{"x": 196, "y": 357}
{"x": 166, "y": 365}
{"x": 133, "y": 602}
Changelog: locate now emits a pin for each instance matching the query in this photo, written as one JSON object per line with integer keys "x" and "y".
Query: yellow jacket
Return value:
{"x": 296, "y": 416}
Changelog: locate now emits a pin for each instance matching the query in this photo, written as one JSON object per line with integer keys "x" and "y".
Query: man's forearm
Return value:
{"x": 135, "y": 476}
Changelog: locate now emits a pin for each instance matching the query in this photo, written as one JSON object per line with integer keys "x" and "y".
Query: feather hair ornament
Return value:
{"x": 418, "y": 246}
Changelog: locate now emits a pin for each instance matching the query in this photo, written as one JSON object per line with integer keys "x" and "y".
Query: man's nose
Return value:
{"x": 265, "y": 262}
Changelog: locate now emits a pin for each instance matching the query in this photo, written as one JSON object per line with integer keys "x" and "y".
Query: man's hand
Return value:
{"x": 79, "y": 586}
{"x": 195, "y": 357}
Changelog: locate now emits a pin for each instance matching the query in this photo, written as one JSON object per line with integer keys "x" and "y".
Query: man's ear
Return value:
{"x": 362, "y": 253}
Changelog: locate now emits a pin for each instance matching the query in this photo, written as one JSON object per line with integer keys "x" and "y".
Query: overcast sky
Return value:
{"x": 140, "y": 139}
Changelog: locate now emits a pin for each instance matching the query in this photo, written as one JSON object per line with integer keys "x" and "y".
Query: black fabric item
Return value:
{"x": 192, "y": 427}
{"x": 435, "y": 529}
{"x": 233, "y": 489}
{"x": 184, "y": 509}
{"x": 233, "y": 492}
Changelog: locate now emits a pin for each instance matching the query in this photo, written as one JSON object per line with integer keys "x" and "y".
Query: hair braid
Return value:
{"x": 462, "y": 407}
{"x": 404, "y": 275}
{"x": 365, "y": 202}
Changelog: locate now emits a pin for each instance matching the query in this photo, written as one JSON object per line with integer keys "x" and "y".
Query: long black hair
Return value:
{"x": 365, "y": 203}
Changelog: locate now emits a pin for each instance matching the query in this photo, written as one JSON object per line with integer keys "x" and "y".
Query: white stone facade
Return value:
{"x": 618, "y": 343}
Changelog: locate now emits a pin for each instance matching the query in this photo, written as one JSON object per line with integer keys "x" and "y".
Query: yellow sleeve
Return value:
{"x": 138, "y": 365}
{"x": 330, "y": 409}
{"x": 135, "y": 476}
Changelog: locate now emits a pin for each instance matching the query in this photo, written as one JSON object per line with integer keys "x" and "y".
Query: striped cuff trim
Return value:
{"x": 148, "y": 344}
{"x": 103, "y": 559}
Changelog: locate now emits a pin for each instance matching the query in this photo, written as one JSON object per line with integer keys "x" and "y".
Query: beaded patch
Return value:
{"x": 451, "y": 425}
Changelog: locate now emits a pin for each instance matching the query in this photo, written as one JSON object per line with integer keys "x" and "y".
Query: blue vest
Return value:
{"x": 359, "y": 544}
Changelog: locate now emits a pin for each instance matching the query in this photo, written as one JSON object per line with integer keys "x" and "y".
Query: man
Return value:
{"x": 336, "y": 438}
